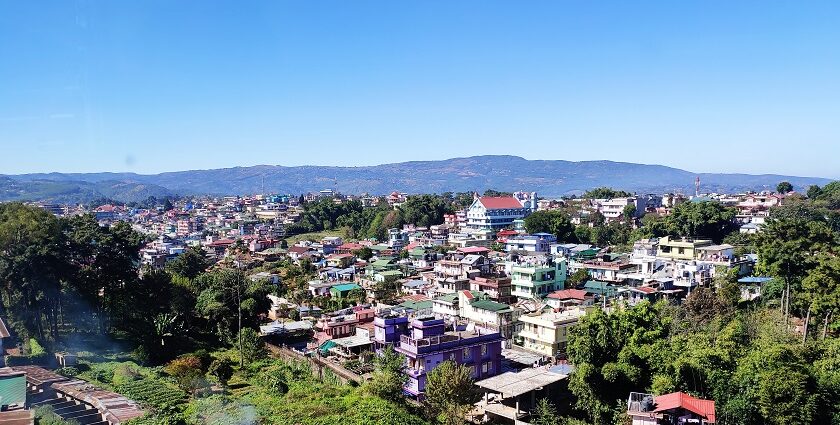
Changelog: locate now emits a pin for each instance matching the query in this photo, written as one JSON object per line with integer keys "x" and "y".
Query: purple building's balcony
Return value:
{"x": 449, "y": 341}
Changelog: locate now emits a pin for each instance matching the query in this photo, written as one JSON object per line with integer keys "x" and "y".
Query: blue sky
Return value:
{"x": 151, "y": 86}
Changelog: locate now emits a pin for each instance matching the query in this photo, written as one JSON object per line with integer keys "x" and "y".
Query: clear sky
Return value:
{"x": 150, "y": 86}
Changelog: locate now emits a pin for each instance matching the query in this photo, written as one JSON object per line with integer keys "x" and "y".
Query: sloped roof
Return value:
{"x": 568, "y": 294}
{"x": 473, "y": 250}
{"x": 500, "y": 202}
{"x": 699, "y": 406}
{"x": 489, "y": 305}
{"x": 346, "y": 287}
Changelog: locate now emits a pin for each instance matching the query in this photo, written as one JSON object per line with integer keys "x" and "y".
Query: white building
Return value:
{"x": 495, "y": 213}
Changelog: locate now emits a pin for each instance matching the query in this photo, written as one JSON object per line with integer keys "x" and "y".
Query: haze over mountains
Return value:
{"x": 500, "y": 172}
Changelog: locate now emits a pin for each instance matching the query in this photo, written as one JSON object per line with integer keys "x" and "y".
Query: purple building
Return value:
{"x": 388, "y": 329}
{"x": 426, "y": 344}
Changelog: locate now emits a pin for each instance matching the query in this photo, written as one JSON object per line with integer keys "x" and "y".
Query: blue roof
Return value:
{"x": 346, "y": 287}
{"x": 754, "y": 279}
{"x": 413, "y": 283}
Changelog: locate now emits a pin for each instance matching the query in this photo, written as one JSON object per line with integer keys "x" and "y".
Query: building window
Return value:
{"x": 483, "y": 350}
{"x": 485, "y": 367}
{"x": 466, "y": 353}
{"x": 452, "y": 356}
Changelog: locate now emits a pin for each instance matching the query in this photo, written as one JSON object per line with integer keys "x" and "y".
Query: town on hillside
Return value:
{"x": 500, "y": 307}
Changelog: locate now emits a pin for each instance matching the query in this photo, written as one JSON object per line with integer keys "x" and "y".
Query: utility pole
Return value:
{"x": 239, "y": 308}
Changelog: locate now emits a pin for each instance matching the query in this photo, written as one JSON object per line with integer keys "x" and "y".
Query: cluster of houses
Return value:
{"x": 476, "y": 289}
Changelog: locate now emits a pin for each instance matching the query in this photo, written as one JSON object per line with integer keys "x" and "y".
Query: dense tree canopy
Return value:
{"x": 706, "y": 219}
{"x": 555, "y": 222}
{"x": 784, "y": 187}
{"x": 605, "y": 193}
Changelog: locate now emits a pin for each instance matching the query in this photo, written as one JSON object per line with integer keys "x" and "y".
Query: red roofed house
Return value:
{"x": 670, "y": 409}
{"x": 495, "y": 213}
{"x": 569, "y": 298}
{"x": 348, "y": 247}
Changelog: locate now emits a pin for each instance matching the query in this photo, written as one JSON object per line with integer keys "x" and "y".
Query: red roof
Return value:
{"x": 299, "y": 249}
{"x": 646, "y": 289}
{"x": 411, "y": 246}
{"x": 499, "y": 203}
{"x": 473, "y": 250}
{"x": 415, "y": 298}
{"x": 468, "y": 294}
{"x": 698, "y": 406}
{"x": 568, "y": 294}
{"x": 222, "y": 242}
{"x": 350, "y": 245}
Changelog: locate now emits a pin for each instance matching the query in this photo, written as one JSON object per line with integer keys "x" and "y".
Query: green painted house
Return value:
{"x": 341, "y": 291}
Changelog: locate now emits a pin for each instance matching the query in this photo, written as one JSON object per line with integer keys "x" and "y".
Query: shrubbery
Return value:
{"x": 37, "y": 356}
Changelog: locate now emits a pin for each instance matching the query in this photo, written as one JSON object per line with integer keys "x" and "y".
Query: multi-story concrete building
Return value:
{"x": 538, "y": 242}
{"x": 427, "y": 344}
{"x": 495, "y": 213}
{"x": 536, "y": 276}
{"x": 547, "y": 332}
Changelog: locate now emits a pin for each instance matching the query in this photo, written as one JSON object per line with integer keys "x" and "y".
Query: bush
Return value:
{"x": 68, "y": 371}
{"x": 187, "y": 372}
{"x": 42, "y": 360}
{"x": 141, "y": 355}
{"x": 204, "y": 357}
{"x": 35, "y": 348}
{"x": 45, "y": 415}
{"x": 222, "y": 369}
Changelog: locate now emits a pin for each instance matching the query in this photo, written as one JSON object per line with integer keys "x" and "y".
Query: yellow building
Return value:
{"x": 680, "y": 249}
{"x": 547, "y": 333}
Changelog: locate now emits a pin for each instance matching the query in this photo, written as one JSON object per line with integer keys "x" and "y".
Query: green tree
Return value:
{"x": 784, "y": 187}
{"x": 814, "y": 192}
{"x": 32, "y": 266}
{"x": 222, "y": 369}
{"x": 555, "y": 222}
{"x": 495, "y": 193}
{"x": 706, "y": 219}
{"x": 579, "y": 277}
{"x": 545, "y": 414}
{"x": 253, "y": 347}
{"x": 821, "y": 290}
{"x": 425, "y": 210}
{"x": 190, "y": 264}
{"x": 105, "y": 262}
{"x": 450, "y": 392}
{"x": 605, "y": 193}
{"x": 363, "y": 253}
{"x": 388, "y": 378}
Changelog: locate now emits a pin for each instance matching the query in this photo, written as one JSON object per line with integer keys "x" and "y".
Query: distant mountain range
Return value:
{"x": 499, "y": 172}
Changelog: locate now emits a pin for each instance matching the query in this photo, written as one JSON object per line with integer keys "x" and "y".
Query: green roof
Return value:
{"x": 601, "y": 288}
{"x": 325, "y": 347}
{"x": 379, "y": 247}
{"x": 450, "y": 298}
{"x": 391, "y": 273}
{"x": 346, "y": 287}
{"x": 489, "y": 305}
{"x": 381, "y": 263}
